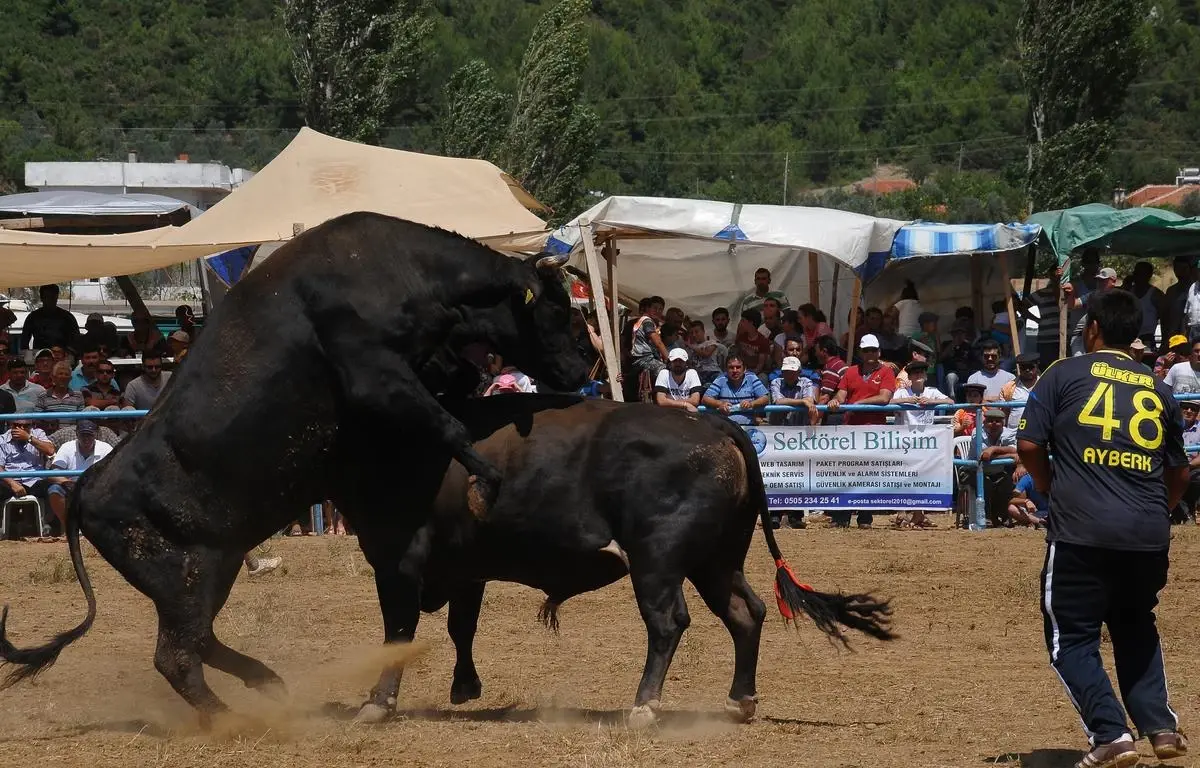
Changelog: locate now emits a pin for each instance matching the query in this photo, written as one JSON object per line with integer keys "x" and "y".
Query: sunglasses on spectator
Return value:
{"x": 152, "y": 367}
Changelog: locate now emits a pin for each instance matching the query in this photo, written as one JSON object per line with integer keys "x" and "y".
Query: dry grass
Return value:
{"x": 966, "y": 685}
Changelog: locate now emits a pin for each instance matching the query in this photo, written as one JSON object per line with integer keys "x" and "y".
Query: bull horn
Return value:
{"x": 552, "y": 261}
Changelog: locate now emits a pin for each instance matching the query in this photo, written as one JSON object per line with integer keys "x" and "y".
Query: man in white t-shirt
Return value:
{"x": 917, "y": 393}
{"x": 1184, "y": 378}
{"x": 678, "y": 386}
{"x": 991, "y": 375}
{"x": 78, "y": 454}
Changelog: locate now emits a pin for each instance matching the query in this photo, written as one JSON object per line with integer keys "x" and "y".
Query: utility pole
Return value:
{"x": 961, "y": 152}
{"x": 785, "y": 177}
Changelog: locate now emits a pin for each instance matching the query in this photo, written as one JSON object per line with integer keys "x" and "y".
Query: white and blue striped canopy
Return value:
{"x": 926, "y": 239}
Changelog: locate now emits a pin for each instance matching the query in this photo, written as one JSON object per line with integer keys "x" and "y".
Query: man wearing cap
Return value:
{"x": 793, "y": 389}
{"x": 870, "y": 383}
{"x": 677, "y": 385}
{"x": 1106, "y": 280}
{"x": 1184, "y": 377}
{"x": 24, "y": 447}
{"x": 43, "y": 367}
{"x": 918, "y": 352}
{"x": 1019, "y": 388}
{"x": 916, "y": 392}
{"x": 75, "y": 455}
{"x": 999, "y": 442}
{"x": 178, "y": 343}
{"x": 990, "y": 374}
{"x": 1178, "y": 350}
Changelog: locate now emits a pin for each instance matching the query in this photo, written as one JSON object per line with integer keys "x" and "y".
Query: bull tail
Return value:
{"x": 28, "y": 663}
{"x": 830, "y": 612}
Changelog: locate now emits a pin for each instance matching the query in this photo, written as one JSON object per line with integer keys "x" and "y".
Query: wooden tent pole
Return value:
{"x": 1008, "y": 301}
{"x": 833, "y": 323}
{"x": 854, "y": 299}
{"x": 611, "y": 361}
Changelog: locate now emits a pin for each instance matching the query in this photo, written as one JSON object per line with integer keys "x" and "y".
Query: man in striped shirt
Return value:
{"x": 832, "y": 370}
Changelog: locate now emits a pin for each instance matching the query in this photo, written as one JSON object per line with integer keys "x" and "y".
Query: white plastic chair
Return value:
{"x": 962, "y": 446}
{"x": 16, "y": 503}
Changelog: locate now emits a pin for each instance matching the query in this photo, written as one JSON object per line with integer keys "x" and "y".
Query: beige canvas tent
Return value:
{"x": 315, "y": 178}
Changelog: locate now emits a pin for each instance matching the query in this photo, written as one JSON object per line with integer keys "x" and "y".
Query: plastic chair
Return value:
{"x": 963, "y": 497}
{"x": 22, "y": 501}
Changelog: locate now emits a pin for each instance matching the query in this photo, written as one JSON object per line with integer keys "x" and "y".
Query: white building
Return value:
{"x": 201, "y": 185}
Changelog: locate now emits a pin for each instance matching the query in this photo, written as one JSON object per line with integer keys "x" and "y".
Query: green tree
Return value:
{"x": 547, "y": 138}
{"x": 1078, "y": 60}
{"x": 355, "y": 61}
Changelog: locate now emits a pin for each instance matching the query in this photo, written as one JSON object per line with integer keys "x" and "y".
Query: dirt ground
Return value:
{"x": 967, "y": 684}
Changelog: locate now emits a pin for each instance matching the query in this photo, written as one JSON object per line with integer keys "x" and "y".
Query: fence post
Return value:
{"x": 979, "y": 519}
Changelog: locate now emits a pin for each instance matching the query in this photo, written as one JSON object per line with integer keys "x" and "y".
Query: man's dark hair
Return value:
{"x": 668, "y": 329}
{"x": 874, "y": 311}
{"x": 989, "y": 344}
{"x": 828, "y": 345}
{"x": 754, "y": 316}
{"x": 49, "y": 287}
{"x": 88, "y": 345}
{"x": 645, "y": 304}
{"x": 965, "y": 312}
{"x": 152, "y": 354}
{"x": 719, "y": 311}
{"x": 658, "y": 300}
{"x": 734, "y": 356}
{"x": 790, "y": 316}
{"x": 1117, "y": 314}
{"x": 762, "y": 271}
{"x": 16, "y": 363}
{"x": 807, "y": 309}
{"x": 696, "y": 323}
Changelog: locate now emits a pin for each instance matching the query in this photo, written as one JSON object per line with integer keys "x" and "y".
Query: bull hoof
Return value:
{"x": 372, "y": 713}
{"x": 468, "y": 690}
{"x": 644, "y": 716}
{"x": 741, "y": 710}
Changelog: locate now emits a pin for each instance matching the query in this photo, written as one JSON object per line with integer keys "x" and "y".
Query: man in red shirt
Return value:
{"x": 871, "y": 383}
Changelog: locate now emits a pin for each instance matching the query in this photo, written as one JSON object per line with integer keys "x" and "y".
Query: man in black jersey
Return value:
{"x": 1119, "y": 468}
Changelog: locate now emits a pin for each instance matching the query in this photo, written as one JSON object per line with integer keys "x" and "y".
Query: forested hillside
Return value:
{"x": 695, "y": 97}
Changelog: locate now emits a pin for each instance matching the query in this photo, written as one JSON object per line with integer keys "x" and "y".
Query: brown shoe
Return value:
{"x": 1115, "y": 754}
{"x": 1168, "y": 744}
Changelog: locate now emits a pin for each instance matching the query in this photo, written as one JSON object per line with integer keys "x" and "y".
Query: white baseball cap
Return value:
{"x": 678, "y": 354}
{"x": 791, "y": 364}
{"x": 1108, "y": 273}
{"x": 869, "y": 341}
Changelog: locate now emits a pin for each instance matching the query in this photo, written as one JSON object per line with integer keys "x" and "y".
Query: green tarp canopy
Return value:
{"x": 1133, "y": 231}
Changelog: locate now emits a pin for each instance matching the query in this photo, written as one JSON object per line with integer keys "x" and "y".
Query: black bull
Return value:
{"x": 594, "y": 490}
{"x": 304, "y": 362}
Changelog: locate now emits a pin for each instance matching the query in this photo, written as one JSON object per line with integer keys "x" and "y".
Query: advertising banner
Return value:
{"x": 861, "y": 467}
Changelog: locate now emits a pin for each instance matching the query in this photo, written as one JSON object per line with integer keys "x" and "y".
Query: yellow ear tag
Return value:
{"x": 528, "y": 296}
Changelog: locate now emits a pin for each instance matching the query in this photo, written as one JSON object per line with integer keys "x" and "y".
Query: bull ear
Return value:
{"x": 551, "y": 262}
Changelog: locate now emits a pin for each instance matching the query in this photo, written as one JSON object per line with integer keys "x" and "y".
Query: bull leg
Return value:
{"x": 390, "y": 383}
{"x": 663, "y": 609}
{"x": 730, "y": 598}
{"x": 399, "y": 601}
{"x": 465, "y": 605}
{"x": 252, "y": 672}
